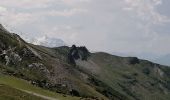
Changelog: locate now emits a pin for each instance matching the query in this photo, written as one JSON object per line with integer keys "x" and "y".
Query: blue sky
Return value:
{"x": 124, "y": 26}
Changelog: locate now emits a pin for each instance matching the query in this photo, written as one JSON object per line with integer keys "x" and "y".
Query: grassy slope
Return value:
{"x": 19, "y": 84}
{"x": 136, "y": 84}
{"x": 125, "y": 78}
{"x": 57, "y": 53}
{"x": 9, "y": 93}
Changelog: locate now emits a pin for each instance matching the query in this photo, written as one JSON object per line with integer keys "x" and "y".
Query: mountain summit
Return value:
{"x": 48, "y": 42}
{"x": 93, "y": 76}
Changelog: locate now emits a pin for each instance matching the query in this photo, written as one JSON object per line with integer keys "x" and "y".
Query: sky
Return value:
{"x": 114, "y": 26}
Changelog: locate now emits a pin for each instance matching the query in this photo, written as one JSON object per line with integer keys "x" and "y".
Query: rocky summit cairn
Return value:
{"x": 77, "y": 53}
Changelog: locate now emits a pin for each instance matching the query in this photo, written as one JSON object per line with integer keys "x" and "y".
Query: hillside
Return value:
{"x": 96, "y": 76}
{"x": 12, "y": 88}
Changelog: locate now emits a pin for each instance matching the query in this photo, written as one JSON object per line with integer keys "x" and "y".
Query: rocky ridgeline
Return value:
{"x": 40, "y": 67}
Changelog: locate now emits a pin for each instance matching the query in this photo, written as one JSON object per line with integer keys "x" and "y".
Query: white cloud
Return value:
{"x": 11, "y": 14}
{"x": 29, "y": 4}
{"x": 25, "y": 3}
{"x": 72, "y": 2}
{"x": 66, "y": 12}
{"x": 146, "y": 10}
{"x": 17, "y": 19}
{"x": 2, "y": 9}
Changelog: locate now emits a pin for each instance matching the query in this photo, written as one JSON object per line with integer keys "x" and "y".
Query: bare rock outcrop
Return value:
{"x": 78, "y": 53}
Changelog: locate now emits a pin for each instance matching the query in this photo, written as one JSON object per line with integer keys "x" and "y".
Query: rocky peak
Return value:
{"x": 77, "y": 53}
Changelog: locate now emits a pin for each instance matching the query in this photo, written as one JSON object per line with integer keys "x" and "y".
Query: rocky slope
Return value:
{"x": 76, "y": 71}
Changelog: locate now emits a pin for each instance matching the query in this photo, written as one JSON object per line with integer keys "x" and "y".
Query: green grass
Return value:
{"x": 24, "y": 85}
{"x": 9, "y": 93}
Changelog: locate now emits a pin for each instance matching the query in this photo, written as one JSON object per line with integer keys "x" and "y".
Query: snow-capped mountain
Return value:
{"x": 48, "y": 42}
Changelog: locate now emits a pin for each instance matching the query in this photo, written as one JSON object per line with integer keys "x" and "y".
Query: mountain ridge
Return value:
{"x": 101, "y": 76}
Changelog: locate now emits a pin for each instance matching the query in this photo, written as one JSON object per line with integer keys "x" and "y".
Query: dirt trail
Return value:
{"x": 39, "y": 95}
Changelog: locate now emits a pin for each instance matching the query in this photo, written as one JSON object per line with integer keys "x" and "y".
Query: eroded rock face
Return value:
{"x": 39, "y": 66}
{"x": 15, "y": 58}
{"x": 9, "y": 56}
{"x": 77, "y": 53}
{"x": 12, "y": 58}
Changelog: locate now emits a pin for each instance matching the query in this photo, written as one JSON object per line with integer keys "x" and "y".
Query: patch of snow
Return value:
{"x": 47, "y": 41}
